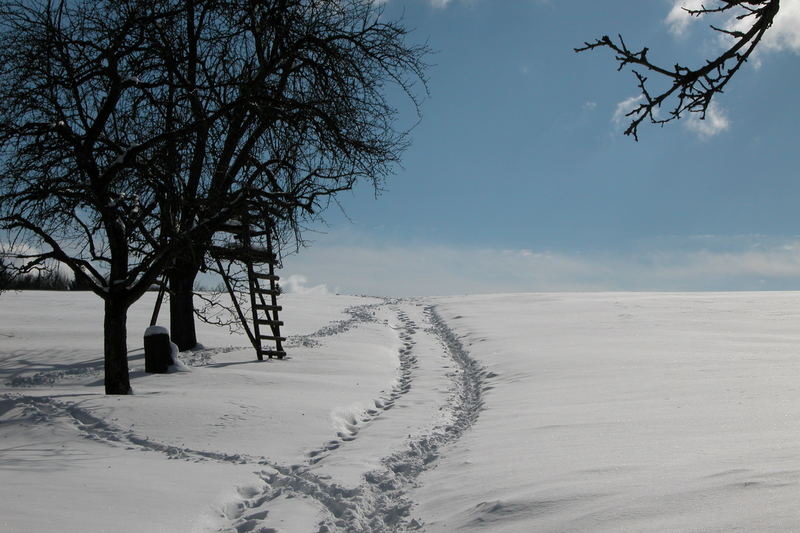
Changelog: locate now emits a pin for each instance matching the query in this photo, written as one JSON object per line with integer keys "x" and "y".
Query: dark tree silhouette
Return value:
{"x": 79, "y": 140}
{"x": 691, "y": 90}
{"x": 133, "y": 130}
{"x": 313, "y": 121}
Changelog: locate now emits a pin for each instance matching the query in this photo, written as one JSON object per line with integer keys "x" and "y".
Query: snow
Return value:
{"x": 152, "y": 331}
{"x": 626, "y": 412}
{"x": 524, "y": 412}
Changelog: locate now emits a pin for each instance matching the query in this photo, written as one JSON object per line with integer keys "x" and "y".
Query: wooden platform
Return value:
{"x": 263, "y": 323}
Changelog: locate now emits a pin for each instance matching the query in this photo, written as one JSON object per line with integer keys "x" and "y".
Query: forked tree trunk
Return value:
{"x": 181, "y": 304}
{"x": 115, "y": 350}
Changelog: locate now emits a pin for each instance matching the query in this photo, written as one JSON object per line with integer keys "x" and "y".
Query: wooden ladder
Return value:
{"x": 264, "y": 307}
{"x": 266, "y": 325}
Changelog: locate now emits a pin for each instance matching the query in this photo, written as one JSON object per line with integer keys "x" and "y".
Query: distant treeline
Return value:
{"x": 43, "y": 280}
{"x": 56, "y": 280}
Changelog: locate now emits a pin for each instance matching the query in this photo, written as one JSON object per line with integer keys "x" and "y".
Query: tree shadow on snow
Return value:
{"x": 36, "y": 368}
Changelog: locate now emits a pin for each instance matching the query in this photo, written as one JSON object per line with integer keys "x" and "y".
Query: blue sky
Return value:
{"x": 519, "y": 177}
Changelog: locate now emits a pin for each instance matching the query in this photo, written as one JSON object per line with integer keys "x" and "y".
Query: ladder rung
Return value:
{"x": 270, "y": 292}
{"x": 267, "y": 322}
{"x": 269, "y": 307}
{"x": 280, "y": 354}
{"x": 261, "y": 256}
{"x": 271, "y": 277}
{"x": 240, "y": 253}
{"x": 271, "y": 338}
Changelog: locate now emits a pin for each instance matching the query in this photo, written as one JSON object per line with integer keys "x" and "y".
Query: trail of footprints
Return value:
{"x": 359, "y": 314}
{"x": 408, "y": 363}
{"x": 44, "y": 410}
{"x": 380, "y": 503}
{"x": 91, "y": 427}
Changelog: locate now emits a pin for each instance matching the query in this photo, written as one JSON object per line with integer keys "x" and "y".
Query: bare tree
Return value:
{"x": 133, "y": 130}
{"x": 314, "y": 117}
{"x": 76, "y": 137}
{"x": 691, "y": 90}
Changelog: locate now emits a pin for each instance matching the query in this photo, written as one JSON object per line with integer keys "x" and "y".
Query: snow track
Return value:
{"x": 44, "y": 410}
{"x": 380, "y": 503}
{"x": 359, "y": 314}
{"x": 47, "y": 410}
{"x": 609, "y": 412}
{"x": 358, "y": 480}
{"x": 351, "y": 424}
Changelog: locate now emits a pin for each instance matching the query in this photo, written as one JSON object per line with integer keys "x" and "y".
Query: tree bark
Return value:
{"x": 181, "y": 303}
{"x": 117, "y": 380}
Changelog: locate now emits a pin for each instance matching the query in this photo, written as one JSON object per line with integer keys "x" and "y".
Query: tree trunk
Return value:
{"x": 181, "y": 305}
{"x": 115, "y": 328}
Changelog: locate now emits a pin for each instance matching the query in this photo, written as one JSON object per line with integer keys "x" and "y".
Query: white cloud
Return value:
{"x": 9, "y": 253}
{"x": 707, "y": 263}
{"x": 785, "y": 32}
{"x": 298, "y": 284}
{"x": 771, "y": 267}
{"x": 783, "y": 36}
{"x": 625, "y": 107}
{"x": 441, "y": 4}
{"x": 678, "y": 19}
{"x": 715, "y": 122}
{"x": 439, "y": 270}
{"x": 760, "y": 263}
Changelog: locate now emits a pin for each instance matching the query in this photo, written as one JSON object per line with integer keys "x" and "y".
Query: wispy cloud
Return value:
{"x": 625, "y": 107}
{"x": 441, "y": 4}
{"x": 434, "y": 3}
{"x": 715, "y": 122}
{"x": 298, "y": 284}
{"x": 708, "y": 263}
{"x": 9, "y": 254}
{"x": 784, "y": 35}
{"x": 678, "y": 20}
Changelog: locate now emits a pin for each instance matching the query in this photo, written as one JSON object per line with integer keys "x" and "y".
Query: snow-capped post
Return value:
{"x": 157, "y": 350}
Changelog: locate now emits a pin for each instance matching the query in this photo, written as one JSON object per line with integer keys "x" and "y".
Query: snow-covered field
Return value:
{"x": 526, "y": 412}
